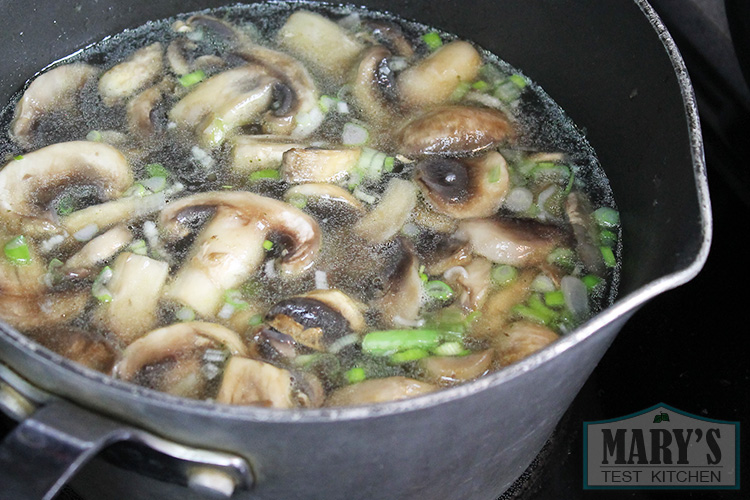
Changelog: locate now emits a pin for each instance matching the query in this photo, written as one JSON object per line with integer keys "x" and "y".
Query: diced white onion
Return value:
{"x": 542, "y": 200}
{"x": 366, "y": 197}
{"x": 321, "y": 280}
{"x": 185, "y": 314}
{"x": 202, "y": 157}
{"x": 151, "y": 233}
{"x": 543, "y": 283}
{"x": 519, "y": 200}
{"x": 354, "y": 134}
{"x": 576, "y": 296}
{"x": 398, "y": 320}
{"x": 307, "y": 123}
{"x": 226, "y": 311}
{"x": 270, "y": 269}
{"x": 342, "y": 107}
{"x": 210, "y": 371}
{"x": 51, "y": 243}
{"x": 155, "y": 184}
{"x": 344, "y": 341}
{"x": 86, "y": 233}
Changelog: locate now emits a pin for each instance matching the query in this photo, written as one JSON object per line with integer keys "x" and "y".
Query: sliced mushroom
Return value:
{"x": 448, "y": 370}
{"x": 522, "y": 339}
{"x": 170, "y": 358}
{"x": 78, "y": 345}
{"x": 473, "y": 283}
{"x": 402, "y": 298}
{"x": 28, "y": 311}
{"x": 374, "y": 87}
{"x": 317, "y": 319}
{"x": 390, "y": 35}
{"x": 55, "y": 89}
{"x": 258, "y": 152}
{"x": 225, "y": 101}
{"x": 229, "y": 248}
{"x": 454, "y": 131}
{"x": 141, "y": 112}
{"x": 294, "y": 94}
{"x": 177, "y": 55}
{"x": 253, "y": 382}
{"x": 318, "y": 165}
{"x": 135, "y": 289}
{"x": 326, "y": 201}
{"x": 497, "y": 310}
{"x": 472, "y": 187}
{"x": 320, "y": 42}
{"x": 510, "y": 241}
{"x": 30, "y": 184}
{"x": 379, "y": 390}
{"x": 434, "y": 79}
{"x": 135, "y": 73}
{"x": 100, "y": 248}
{"x": 220, "y": 28}
{"x": 109, "y": 213}
{"x": 387, "y": 218}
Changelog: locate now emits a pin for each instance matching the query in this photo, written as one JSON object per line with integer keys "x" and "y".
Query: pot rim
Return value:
{"x": 622, "y": 308}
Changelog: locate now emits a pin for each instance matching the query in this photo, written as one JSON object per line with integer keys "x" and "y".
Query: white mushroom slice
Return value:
{"x": 506, "y": 241}
{"x": 448, "y": 370}
{"x": 373, "y": 87}
{"x": 402, "y": 301}
{"x": 259, "y": 152}
{"x": 57, "y": 167}
{"x": 330, "y": 193}
{"x": 434, "y": 79}
{"x": 225, "y": 101}
{"x": 169, "y": 340}
{"x": 522, "y": 339}
{"x": 322, "y": 43}
{"x": 55, "y": 89}
{"x": 100, "y": 248}
{"x": 253, "y": 382}
{"x": 138, "y": 71}
{"x": 473, "y": 284}
{"x": 229, "y": 248}
{"x": 135, "y": 289}
{"x": 113, "y": 212}
{"x": 390, "y": 214}
{"x": 139, "y": 112}
{"x": 25, "y": 312}
{"x": 379, "y": 390}
{"x": 497, "y": 310}
{"x": 318, "y": 165}
{"x": 454, "y": 131}
{"x": 345, "y": 305}
{"x": 473, "y": 187}
{"x": 295, "y": 92}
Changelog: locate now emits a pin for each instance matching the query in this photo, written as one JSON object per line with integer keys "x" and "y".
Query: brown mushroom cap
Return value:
{"x": 464, "y": 188}
{"x": 454, "y": 131}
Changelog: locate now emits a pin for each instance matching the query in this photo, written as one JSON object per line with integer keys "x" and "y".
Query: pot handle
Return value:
{"x": 47, "y": 448}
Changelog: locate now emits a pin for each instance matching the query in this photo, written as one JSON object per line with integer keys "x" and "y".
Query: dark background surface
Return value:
{"x": 687, "y": 347}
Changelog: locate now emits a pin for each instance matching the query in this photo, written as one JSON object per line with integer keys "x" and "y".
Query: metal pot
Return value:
{"x": 611, "y": 65}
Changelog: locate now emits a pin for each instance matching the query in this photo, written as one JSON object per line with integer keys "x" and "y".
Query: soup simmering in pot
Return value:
{"x": 297, "y": 207}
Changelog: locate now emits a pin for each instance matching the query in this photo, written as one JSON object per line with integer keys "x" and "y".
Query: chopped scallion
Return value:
{"x": 234, "y": 298}
{"x": 386, "y": 342}
{"x": 591, "y": 281}
{"x": 99, "y": 288}
{"x": 156, "y": 170}
{"x": 453, "y": 348}
{"x": 607, "y": 237}
{"x": 191, "y": 79}
{"x": 356, "y": 374}
{"x": 607, "y": 217}
{"x": 408, "y": 355}
{"x": 17, "y": 251}
{"x": 503, "y": 274}
{"x": 554, "y": 299}
{"x": 609, "y": 256}
{"x": 267, "y": 245}
{"x": 432, "y": 40}
{"x": 139, "y": 247}
{"x": 265, "y": 174}
{"x": 255, "y": 320}
{"x": 438, "y": 290}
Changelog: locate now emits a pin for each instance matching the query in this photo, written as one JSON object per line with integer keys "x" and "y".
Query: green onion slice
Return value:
{"x": 191, "y": 79}
{"x": 17, "y": 251}
{"x": 438, "y": 290}
{"x": 386, "y": 342}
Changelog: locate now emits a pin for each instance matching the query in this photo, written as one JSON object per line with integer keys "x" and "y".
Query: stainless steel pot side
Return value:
{"x": 616, "y": 71}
